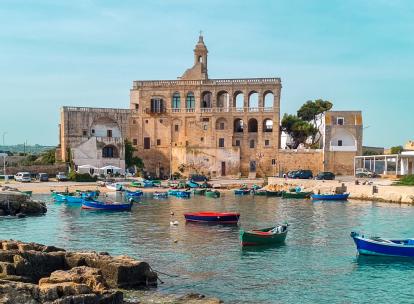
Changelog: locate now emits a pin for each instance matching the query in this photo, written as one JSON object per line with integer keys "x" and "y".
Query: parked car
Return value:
{"x": 362, "y": 172}
{"x": 23, "y": 177}
{"x": 198, "y": 178}
{"x": 291, "y": 174}
{"x": 43, "y": 177}
{"x": 61, "y": 177}
{"x": 303, "y": 174}
{"x": 325, "y": 176}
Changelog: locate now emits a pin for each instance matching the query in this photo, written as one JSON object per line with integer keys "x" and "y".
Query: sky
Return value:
{"x": 359, "y": 54}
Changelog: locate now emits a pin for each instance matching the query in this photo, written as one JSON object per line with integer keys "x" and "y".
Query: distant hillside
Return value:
{"x": 36, "y": 149}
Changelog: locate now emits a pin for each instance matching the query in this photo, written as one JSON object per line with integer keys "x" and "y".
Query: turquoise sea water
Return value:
{"x": 318, "y": 263}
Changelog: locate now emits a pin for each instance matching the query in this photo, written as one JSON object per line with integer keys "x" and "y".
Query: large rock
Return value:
{"x": 18, "y": 293}
{"x": 14, "y": 202}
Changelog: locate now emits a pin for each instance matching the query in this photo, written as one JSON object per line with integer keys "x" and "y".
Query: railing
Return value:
{"x": 100, "y": 110}
{"x": 240, "y": 81}
{"x": 216, "y": 110}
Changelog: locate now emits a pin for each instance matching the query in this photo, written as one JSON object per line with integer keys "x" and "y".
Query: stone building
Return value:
{"x": 219, "y": 127}
{"x": 93, "y": 136}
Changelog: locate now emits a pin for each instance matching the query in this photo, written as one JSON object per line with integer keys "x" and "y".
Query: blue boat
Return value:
{"x": 160, "y": 194}
{"x": 134, "y": 193}
{"x": 242, "y": 191}
{"x": 330, "y": 197}
{"x": 106, "y": 206}
{"x": 183, "y": 194}
{"x": 383, "y": 247}
{"x": 173, "y": 192}
{"x": 192, "y": 184}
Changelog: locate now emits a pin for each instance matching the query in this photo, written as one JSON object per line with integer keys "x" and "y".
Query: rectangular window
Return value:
{"x": 252, "y": 143}
{"x": 176, "y": 128}
{"x": 84, "y": 132}
{"x": 205, "y": 126}
{"x": 108, "y": 133}
{"x": 136, "y": 106}
{"x": 273, "y": 162}
{"x": 186, "y": 143}
{"x": 267, "y": 143}
{"x": 135, "y": 142}
{"x": 147, "y": 143}
{"x": 221, "y": 142}
{"x": 157, "y": 105}
{"x": 221, "y": 126}
{"x": 237, "y": 144}
{"x": 340, "y": 121}
{"x": 93, "y": 131}
{"x": 206, "y": 119}
{"x": 202, "y": 139}
{"x": 158, "y": 142}
{"x": 134, "y": 121}
{"x": 340, "y": 143}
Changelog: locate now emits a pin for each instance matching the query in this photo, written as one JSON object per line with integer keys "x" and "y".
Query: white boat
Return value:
{"x": 114, "y": 186}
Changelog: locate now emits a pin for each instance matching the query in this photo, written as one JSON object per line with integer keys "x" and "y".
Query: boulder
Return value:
{"x": 18, "y": 293}
{"x": 14, "y": 202}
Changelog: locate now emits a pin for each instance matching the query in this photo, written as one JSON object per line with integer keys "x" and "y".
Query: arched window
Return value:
{"x": 110, "y": 152}
{"x": 206, "y": 100}
{"x": 268, "y": 99}
{"x": 176, "y": 102}
{"x": 253, "y": 100}
{"x": 238, "y": 125}
{"x": 252, "y": 125}
{"x": 239, "y": 101}
{"x": 223, "y": 99}
{"x": 190, "y": 101}
{"x": 267, "y": 125}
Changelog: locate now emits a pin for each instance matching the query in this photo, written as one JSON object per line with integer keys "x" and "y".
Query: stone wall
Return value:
{"x": 290, "y": 160}
{"x": 340, "y": 163}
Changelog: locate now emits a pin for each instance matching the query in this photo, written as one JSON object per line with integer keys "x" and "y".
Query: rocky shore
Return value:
{"x": 13, "y": 202}
{"x": 32, "y": 273}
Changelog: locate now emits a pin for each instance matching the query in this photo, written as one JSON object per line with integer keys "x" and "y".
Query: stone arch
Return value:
{"x": 104, "y": 126}
{"x": 110, "y": 151}
{"x": 253, "y": 99}
{"x": 267, "y": 125}
{"x": 206, "y": 99}
{"x": 342, "y": 137}
{"x": 238, "y": 100}
{"x": 176, "y": 100}
{"x": 221, "y": 124}
{"x": 252, "y": 125}
{"x": 268, "y": 99}
{"x": 190, "y": 101}
{"x": 238, "y": 125}
{"x": 223, "y": 99}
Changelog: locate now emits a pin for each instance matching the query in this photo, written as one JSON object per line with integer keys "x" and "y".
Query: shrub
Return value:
{"x": 81, "y": 177}
{"x": 407, "y": 180}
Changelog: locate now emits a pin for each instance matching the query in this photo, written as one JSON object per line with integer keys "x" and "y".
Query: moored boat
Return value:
{"x": 192, "y": 184}
{"x": 274, "y": 193}
{"x": 160, "y": 194}
{"x": 242, "y": 191}
{"x": 106, "y": 206}
{"x": 212, "y": 193}
{"x": 27, "y": 192}
{"x": 183, "y": 193}
{"x": 383, "y": 247}
{"x": 114, "y": 186}
{"x": 297, "y": 195}
{"x": 213, "y": 217}
{"x": 259, "y": 192}
{"x": 135, "y": 193}
{"x": 266, "y": 236}
{"x": 199, "y": 191}
{"x": 330, "y": 197}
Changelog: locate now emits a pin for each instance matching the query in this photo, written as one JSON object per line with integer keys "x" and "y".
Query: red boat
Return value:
{"x": 213, "y": 217}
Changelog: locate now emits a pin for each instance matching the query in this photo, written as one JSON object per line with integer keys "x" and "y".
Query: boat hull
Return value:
{"x": 297, "y": 195}
{"x": 330, "y": 197}
{"x": 213, "y": 194}
{"x": 242, "y": 192}
{"x": 213, "y": 217}
{"x": 95, "y": 205}
{"x": 274, "y": 193}
{"x": 260, "y": 238}
{"x": 372, "y": 247}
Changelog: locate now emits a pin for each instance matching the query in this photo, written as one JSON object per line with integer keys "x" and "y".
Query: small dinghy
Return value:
{"x": 297, "y": 195}
{"x": 242, "y": 191}
{"x": 160, "y": 194}
{"x": 183, "y": 194}
{"x": 199, "y": 191}
{"x": 383, "y": 247}
{"x": 213, "y": 217}
{"x": 330, "y": 197}
{"x": 106, "y": 206}
{"x": 212, "y": 193}
{"x": 266, "y": 236}
{"x": 192, "y": 184}
{"x": 136, "y": 193}
{"x": 70, "y": 199}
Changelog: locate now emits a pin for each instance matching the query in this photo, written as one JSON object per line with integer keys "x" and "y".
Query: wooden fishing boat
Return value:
{"x": 70, "y": 199}
{"x": 183, "y": 194}
{"x": 330, "y": 197}
{"x": 106, "y": 206}
{"x": 242, "y": 191}
{"x": 192, "y": 184}
{"x": 213, "y": 217}
{"x": 212, "y": 193}
{"x": 135, "y": 193}
{"x": 199, "y": 191}
{"x": 137, "y": 184}
{"x": 266, "y": 236}
{"x": 383, "y": 247}
{"x": 297, "y": 195}
{"x": 274, "y": 193}
{"x": 160, "y": 194}
{"x": 259, "y": 192}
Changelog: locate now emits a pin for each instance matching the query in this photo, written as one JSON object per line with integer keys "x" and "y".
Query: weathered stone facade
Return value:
{"x": 93, "y": 136}
{"x": 227, "y": 123}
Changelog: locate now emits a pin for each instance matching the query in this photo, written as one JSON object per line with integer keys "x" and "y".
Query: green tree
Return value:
{"x": 130, "y": 159}
{"x": 298, "y": 129}
{"x": 47, "y": 157}
{"x": 397, "y": 149}
{"x": 312, "y": 111}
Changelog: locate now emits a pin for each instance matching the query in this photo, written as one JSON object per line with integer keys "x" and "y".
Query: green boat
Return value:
{"x": 266, "y": 236}
{"x": 274, "y": 193}
{"x": 298, "y": 195}
{"x": 259, "y": 192}
{"x": 137, "y": 185}
{"x": 212, "y": 193}
{"x": 199, "y": 191}
{"x": 28, "y": 193}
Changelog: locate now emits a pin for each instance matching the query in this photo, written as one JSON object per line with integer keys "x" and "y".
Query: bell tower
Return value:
{"x": 199, "y": 69}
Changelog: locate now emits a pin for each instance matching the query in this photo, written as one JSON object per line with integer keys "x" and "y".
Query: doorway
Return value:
{"x": 252, "y": 166}
{"x": 223, "y": 168}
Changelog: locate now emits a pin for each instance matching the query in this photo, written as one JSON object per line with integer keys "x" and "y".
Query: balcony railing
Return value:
{"x": 215, "y": 110}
